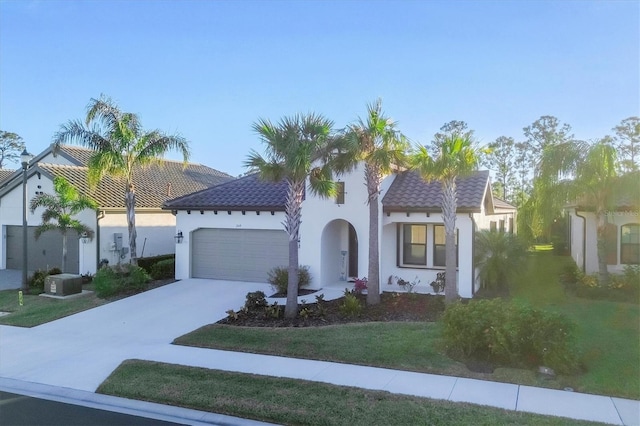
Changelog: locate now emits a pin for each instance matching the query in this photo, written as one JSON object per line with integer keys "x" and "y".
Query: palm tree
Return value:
{"x": 59, "y": 210}
{"x": 454, "y": 156}
{"x": 121, "y": 146}
{"x": 577, "y": 170}
{"x": 378, "y": 144}
{"x": 297, "y": 148}
{"x": 498, "y": 257}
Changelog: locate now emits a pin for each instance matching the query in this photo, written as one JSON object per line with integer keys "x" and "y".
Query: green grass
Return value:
{"x": 298, "y": 402}
{"x": 607, "y": 337}
{"x": 607, "y": 332}
{"x": 402, "y": 345}
{"x": 38, "y": 310}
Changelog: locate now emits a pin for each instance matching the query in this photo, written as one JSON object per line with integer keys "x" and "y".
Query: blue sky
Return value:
{"x": 209, "y": 69}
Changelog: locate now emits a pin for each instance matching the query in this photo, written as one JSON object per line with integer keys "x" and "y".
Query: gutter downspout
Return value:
{"x": 99, "y": 215}
{"x": 584, "y": 241}
{"x": 473, "y": 254}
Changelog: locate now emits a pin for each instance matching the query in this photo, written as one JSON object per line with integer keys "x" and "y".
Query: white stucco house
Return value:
{"x": 155, "y": 227}
{"x": 622, "y": 235}
{"x": 234, "y": 231}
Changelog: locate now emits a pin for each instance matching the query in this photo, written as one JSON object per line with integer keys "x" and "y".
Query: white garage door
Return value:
{"x": 237, "y": 254}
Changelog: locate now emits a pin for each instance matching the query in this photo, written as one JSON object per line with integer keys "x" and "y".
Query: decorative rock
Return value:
{"x": 546, "y": 372}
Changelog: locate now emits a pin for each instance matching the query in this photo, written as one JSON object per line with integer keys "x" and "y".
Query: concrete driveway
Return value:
{"x": 81, "y": 350}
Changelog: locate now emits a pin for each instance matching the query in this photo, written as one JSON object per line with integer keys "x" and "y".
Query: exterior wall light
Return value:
{"x": 84, "y": 237}
{"x": 179, "y": 237}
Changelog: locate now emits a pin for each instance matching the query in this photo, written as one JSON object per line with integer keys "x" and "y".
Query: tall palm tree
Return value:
{"x": 455, "y": 156}
{"x": 376, "y": 142}
{"x": 577, "y": 170}
{"x": 297, "y": 148}
{"x": 121, "y": 146}
{"x": 59, "y": 210}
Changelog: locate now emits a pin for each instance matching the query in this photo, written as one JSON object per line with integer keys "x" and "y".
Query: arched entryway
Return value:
{"x": 339, "y": 253}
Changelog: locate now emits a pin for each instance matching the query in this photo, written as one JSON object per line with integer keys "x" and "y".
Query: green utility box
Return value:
{"x": 63, "y": 284}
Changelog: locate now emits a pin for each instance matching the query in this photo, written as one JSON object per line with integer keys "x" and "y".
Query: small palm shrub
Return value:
{"x": 163, "y": 269}
{"x": 498, "y": 258}
{"x": 122, "y": 279}
{"x": 508, "y": 334}
{"x": 278, "y": 277}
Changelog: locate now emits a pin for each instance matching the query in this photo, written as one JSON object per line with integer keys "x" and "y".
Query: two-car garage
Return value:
{"x": 237, "y": 254}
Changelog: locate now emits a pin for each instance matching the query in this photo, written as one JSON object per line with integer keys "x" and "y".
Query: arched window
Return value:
{"x": 630, "y": 244}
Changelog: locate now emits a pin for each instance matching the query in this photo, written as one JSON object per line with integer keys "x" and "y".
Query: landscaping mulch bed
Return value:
{"x": 393, "y": 307}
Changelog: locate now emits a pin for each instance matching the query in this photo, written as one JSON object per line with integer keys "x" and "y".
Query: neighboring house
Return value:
{"x": 234, "y": 231}
{"x": 155, "y": 227}
{"x": 5, "y": 174}
{"x": 622, "y": 236}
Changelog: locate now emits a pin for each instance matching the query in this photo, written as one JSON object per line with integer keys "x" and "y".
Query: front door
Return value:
{"x": 353, "y": 252}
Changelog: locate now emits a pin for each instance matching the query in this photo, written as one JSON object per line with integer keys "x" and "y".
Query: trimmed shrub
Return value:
{"x": 163, "y": 269}
{"x": 255, "y": 300}
{"x": 350, "y": 306}
{"x": 147, "y": 263}
{"x": 509, "y": 334}
{"x": 121, "y": 279}
{"x": 278, "y": 277}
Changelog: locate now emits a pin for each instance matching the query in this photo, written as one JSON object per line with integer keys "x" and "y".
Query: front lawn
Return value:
{"x": 607, "y": 336}
{"x": 38, "y": 310}
{"x": 298, "y": 402}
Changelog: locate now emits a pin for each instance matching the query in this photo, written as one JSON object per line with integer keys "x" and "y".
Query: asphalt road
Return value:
{"x": 20, "y": 410}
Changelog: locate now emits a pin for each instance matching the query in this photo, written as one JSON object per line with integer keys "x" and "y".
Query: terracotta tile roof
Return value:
{"x": 78, "y": 153}
{"x": 154, "y": 184}
{"x": 501, "y": 204}
{"x": 246, "y": 193}
{"x": 409, "y": 192}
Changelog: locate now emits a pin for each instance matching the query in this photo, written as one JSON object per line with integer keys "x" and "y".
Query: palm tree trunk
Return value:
{"x": 293, "y": 212}
{"x": 372, "y": 176}
{"x": 130, "y": 203}
{"x": 449, "y": 204}
{"x": 603, "y": 272}
{"x": 64, "y": 251}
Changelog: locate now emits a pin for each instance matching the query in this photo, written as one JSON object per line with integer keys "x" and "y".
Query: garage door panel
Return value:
{"x": 43, "y": 253}
{"x": 237, "y": 254}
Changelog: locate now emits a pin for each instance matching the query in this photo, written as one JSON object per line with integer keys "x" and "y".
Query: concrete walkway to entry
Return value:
{"x": 80, "y": 351}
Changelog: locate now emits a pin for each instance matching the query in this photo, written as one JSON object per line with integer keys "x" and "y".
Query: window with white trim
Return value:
{"x": 630, "y": 244}
{"x": 439, "y": 246}
{"x": 414, "y": 245}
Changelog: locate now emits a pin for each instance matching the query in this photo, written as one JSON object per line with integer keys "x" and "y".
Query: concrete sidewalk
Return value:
{"x": 80, "y": 351}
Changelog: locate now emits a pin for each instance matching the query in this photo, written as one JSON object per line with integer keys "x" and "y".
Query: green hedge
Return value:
{"x": 509, "y": 334}
{"x": 147, "y": 263}
{"x": 120, "y": 279}
{"x": 163, "y": 269}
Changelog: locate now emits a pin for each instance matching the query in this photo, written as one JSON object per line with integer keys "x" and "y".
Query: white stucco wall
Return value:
{"x": 591, "y": 253}
{"x": 389, "y": 253}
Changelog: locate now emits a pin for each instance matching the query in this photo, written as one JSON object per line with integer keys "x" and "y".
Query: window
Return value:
{"x": 501, "y": 225}
{"x": 493, "y": 226}
{"x": 630, "y": 244}
{"x": 511, "y": 225}
{"x": 414, "y": 245}
{"x": 439, "y": 246}
{"x": 339, "y": 192}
